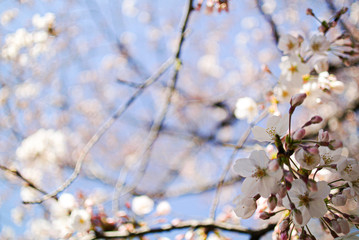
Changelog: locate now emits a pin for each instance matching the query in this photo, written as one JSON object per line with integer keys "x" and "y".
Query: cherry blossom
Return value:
{"x": 293, "y": 71}
{"x": 246, "y": 108}
{"x": 142, "y": 205}
{"x": 288, "y": 44}
{"x": 311, "y": 204}
{"x": 276, "y": 125}
{"x": 258, "y": 177}
{"x": 306, "y": 159}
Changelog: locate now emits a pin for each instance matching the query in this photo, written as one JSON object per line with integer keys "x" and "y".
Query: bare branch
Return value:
{"x": 208, "y": 224}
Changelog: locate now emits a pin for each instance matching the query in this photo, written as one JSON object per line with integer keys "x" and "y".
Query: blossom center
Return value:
{"x": 293, "y": 68}
{"x": 327, "y": 158}
{"x": 259, "y": 173}
{"x": 316, "y": 46}
{"x": 309, "y": 159}
{"x": 290, "y": 45}
{"x": 304, "y": 200}
{"x": 271, "y": 131}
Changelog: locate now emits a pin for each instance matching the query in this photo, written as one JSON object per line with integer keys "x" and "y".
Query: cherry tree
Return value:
{"x": 192, "y": 119}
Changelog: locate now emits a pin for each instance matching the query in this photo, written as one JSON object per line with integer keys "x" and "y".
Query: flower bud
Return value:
{"x": 265, "y": 215}
{"x": 335, "y": 145}
{"x": 284, "y": 236}
{"x": 312, "y": 185}
{"x": 298, "y": 217}
{"x": 299, "y": 134}
{"x": 297, "y": 99}
{"x": 282, "y": 192}
{"x": 283, "y": 226}
{"x": 316, "y": 119}
{"x": 344, "y": 225}
{"x": 347, "y": 193}
{"x": 310, "y": 12}
{"x": 335, "y": 225}
{"x": 273, "y": 165}
{"x": 313, "y": 150}
{"x": 288, "y": 176}
{"x": 337, "y": 86}
{"x": 339, "y": 200}
{"x": 354, "y": 219}
{"x": 272, "y": 202}
{"x": 323, "y": 136}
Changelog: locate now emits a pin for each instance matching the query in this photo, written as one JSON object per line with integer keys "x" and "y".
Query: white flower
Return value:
{"x": 246, "y": 206}
{"x": 319, "y": 44}
{"x": 276, "y": 125}
{"x": 328, "y": 156}
{"x": 8, "y": 16}
{"x": 67, "y": 201}
{"x": 43, "y": 147}
{"x": 284, "y": 93}
{"x": 307, "y": 160}
{"x": 329, "y": 82}
{"x": 43, "y": 22}
{"x": 142, "y": 205}
{"x": 311, "y": 204}
{"x": 288, "y": 44}
{"x": 80, "y": 220}
{"x": 163, "y": 208}
{"x": 292, "y": 71}
{"x": 258, "y": 177}
{"x": 321, "y": 64}
{"x": 246, "y": 108}
{"x": 348, "y": 169}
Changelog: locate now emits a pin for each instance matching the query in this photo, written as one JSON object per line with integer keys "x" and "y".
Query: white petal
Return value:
{"x": 250, "y": 187}
{"x": 317, "y": 208}
{"x": 244, "y": 167}
{"x": 323, "y": 191}
{"x": 259, "y": 158}
{"x": 260, "y": 134}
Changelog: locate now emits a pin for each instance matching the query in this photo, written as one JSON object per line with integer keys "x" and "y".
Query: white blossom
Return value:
{"x": 246, "y": 108}
{"x": 258, "y": 177}
{"x": 288, "y": 44}
{"x": 142, "y": 205}
{"x": 293, "y": 71}
{"x": 311, "y": 204}
{"x": 348, "y": 168}
{"x": 307, "y": 160}
{"x": 43, "y": 147}
{"x": 318, "y": 44}
{"x": 276, "y": 125}
{"x": 163, "y": 208}
{"x": 80, "y": 220}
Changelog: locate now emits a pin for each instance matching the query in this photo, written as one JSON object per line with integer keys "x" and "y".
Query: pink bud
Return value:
{"x": 299, "y": 134}
{"x": 297, "y": 99}
{"x": 272, "y": 202}
{"x": 354, "y": 219}
{"x": 335, "y": 225}
{"x": 316, "y": 119}
{"x": 312, "y": 185}
{"x": 313, "y": 150}
{"x": 284, "y": 236}
{"x": 344, "y": 225}
{"x": 264, "y": 215}
{"x": 288, "y": 176}
{"x": 298, "y": 217}
{"x": 310, "y": 12}
{"x": 348, "y": 193}
{"x": 339, "y": 200}
{"x": 282, "y": 192}
{"x": 323, "y": 136}
{"x": 284, "y": 225}
{"x": 336, "y": 144}
{"x": 273, "y": 165}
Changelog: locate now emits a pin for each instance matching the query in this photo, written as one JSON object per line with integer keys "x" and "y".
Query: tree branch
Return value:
{"x": 208, "y": 224}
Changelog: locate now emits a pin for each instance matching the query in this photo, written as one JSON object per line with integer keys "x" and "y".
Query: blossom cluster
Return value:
{"x": 305, "y": 179}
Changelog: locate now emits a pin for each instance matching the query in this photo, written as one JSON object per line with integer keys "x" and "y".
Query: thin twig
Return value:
{"x": 221, "y": 181}
{"x": 157, "y": 126}
{"x": 101, "y": 131}
{"x": 208, "y": 224}
{"x": 270, "y": 21}
{"x": 27, "y": 181}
